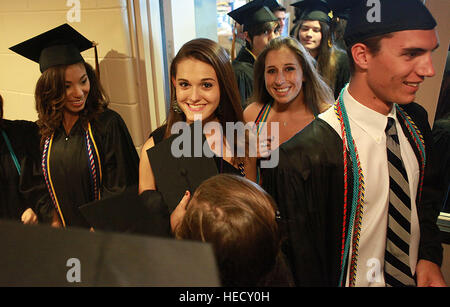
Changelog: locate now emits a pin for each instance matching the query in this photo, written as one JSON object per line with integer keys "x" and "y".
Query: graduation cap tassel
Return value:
{"x": 97, "y": 66}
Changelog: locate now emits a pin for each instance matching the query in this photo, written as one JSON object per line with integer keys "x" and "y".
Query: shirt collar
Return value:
{"x": 372, "y": 122}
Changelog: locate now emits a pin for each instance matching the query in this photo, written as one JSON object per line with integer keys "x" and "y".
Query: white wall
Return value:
{"x": 183, "y": 22}
{"x": 206, "y": 19}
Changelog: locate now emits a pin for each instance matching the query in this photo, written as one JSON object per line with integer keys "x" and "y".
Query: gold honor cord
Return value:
{"x": 98, "y": 158}
{"x": 50, "y": 183}
{"x": 47, "y": 172}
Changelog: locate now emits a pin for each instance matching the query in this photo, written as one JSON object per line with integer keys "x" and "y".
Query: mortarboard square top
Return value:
{"x": 59, "y": 46}
{"x": 271, "y": 4}
{"x": 313, "y": 10}
{"x": 174, "y": 175}
{"x": 340, "y": 8}
{"x": 254, "y": 13}
{"x": 369, "y": 19}
{"x": 129, "y": 212}
{"x": 38, "y": 256}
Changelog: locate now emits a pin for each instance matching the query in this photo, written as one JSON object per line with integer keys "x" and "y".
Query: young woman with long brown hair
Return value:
{"x": 88, "y": 152}
{"x": 288, "y": 90}
{"x": 202, "y": 86}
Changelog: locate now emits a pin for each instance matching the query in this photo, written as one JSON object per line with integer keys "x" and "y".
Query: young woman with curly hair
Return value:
{"x": 88, "y": 153}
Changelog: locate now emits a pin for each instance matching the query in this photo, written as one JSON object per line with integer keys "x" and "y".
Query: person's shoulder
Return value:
{"x": 252, "y": 111}
{"x": 242, "y": 63}
{"x": 316, "y": 143}
{"x": 110, "y": 124}
{"x": 244, "y": 56}
{"x": 302, "y": 140}
{"x": 414, "y": 109}
{"x": 242, "y": 69}
{"x": 150, "y": 143}
{"x": 22, "y": 126}
{"x": 20, "y": 123}
{"x": 110, "y": 119}
{"x": 110, "y": 115}
{"x": 21, "y": 133}
{"x": 158, "y": 134}
{"x": 418, "y": 115}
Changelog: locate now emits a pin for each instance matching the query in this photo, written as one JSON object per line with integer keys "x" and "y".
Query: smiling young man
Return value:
{"x": 356, "y": 188}
{"x": 260, "y": 27}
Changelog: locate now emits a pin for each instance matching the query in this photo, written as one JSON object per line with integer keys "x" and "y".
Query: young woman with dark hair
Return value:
{"x": 203, "y": 87}
{"x": 88, "y": 153}
{"x": 52, "y": 93}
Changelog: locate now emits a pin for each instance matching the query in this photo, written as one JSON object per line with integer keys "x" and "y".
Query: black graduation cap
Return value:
{"x": 41, "y": 255}
{"x": 343, "y": 14}
{"x": 254, "y": 13}
{"x": 129, "y": 212}
{"x": 387, "y": 17}
{"x": 313, "y": 10}
{"x": 175, "y": 175}
{"x": 59, "y": 46}
{"x": 271, "y": 4}
{"x": 340, "y": 8}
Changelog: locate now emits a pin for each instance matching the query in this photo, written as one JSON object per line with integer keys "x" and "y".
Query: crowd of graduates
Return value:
{"x": 322, "y": 98}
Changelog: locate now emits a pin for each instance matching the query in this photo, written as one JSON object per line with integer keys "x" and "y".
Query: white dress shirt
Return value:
{"x": 368, "y": 130}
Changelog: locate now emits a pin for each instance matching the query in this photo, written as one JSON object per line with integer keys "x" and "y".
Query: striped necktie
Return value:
{"x": 397, "y": 272}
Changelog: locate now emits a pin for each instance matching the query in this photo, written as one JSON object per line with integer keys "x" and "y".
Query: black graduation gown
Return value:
{"x": 18, "y": 193}
{"x": 70, "y": 172}
{"x": 441, "y": 137}
{"x": 158, "y": 203}
{"x": 222, "y": 165}
{"x": 243, "y": 70}
{"x": 308, "y": 186}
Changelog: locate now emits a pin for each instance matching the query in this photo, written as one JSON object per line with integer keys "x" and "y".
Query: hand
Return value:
{"x": 29, "y": 217}
{"x": 55, "y": 220}
{"x": 177, "y": 215}
{"x": 429, "y": 274}
{"x": 265, "y": 147}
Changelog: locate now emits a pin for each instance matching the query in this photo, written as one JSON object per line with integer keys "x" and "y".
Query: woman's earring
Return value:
{"x": 330, "y": 44}
{"x": 176, "y": 107}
